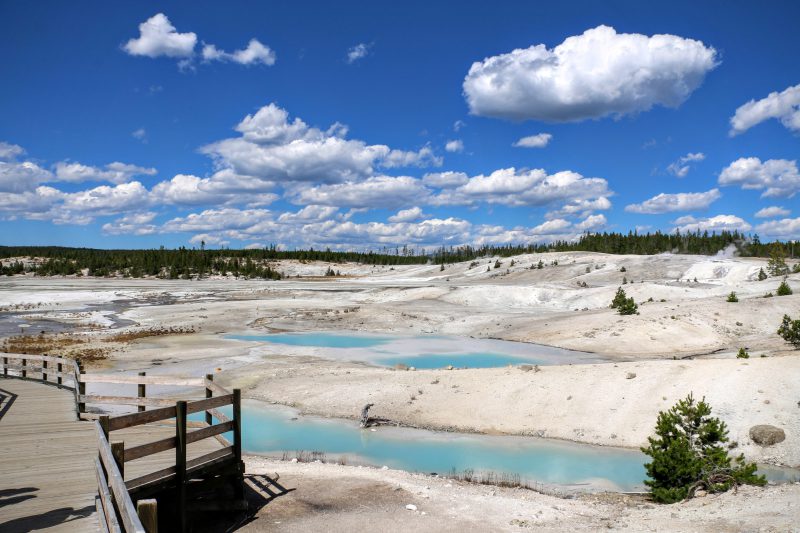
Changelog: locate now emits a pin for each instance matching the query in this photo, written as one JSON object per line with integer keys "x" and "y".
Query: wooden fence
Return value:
{"x": 116, "y": 496}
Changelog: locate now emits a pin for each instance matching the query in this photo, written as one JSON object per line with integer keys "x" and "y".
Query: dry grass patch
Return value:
{"x": 132, "y": 335}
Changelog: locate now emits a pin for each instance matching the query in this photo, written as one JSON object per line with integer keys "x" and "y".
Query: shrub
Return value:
{"x": 619, "y": 298}
{"x": 623, "y": 269}
{"x": 784, "y": 289}
{"x": 790, "y": 331}
{"x": 497, "y": 264}
{"x": 732, "y": 297}
{"x": 623, "y": 304}
{"x": 761, "y": 274}
{"x": 776, "y": 265}
{"x": 768, "y": 295}
{"x": 796, "y": 268}
{"x": 742, "y": 354}
{"x": 540, "y": 265}
{"x": 688, "y": 453}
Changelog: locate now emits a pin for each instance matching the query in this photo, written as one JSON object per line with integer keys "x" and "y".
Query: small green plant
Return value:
{"x": 732, "y": 298}
{"x": 512, "y": 263}
{"x": 540, "y": 265}
{"x": 623, "y": 304}
{"x": 742, "y": 354}
{"x": 497, "y": 264}
{"x": 624, "y": 280}
{"x": 761, "y": 274}
{"x": 688, "y": 453}
{"x": 776, "y": 266}
{"x": 784, "y": 289}
{"x": 441, "y": 269}
{"x": 768, "y": 295}
{"x": 796, "y": 268}
{"x": 789, "y": 331}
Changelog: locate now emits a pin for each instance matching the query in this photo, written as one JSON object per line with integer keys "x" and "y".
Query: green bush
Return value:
{"x": 623, "y": 304}
{"x": 688, "y": 453}
{"x": 761, "y": 274}
{"x": 732, "y": 297}
{"x": 790, "y": 331}
{"x": 784, "y": 289}
{"x": 619, "y": 299}
{"x": 742, "y": 354}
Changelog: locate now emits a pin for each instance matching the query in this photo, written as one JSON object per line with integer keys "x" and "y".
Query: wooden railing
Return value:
{"x": 115, "y": 498}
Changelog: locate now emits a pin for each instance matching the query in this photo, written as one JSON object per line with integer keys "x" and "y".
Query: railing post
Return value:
{"x": 142, "y": 391}
{"x": 104, "y": 425}
{"x": 5, "y": 367}
{"x": 118, "y": 451}
{"x": 148, "y": 515}
{"x": 44, "y": 369}
{"x": 209, "y": 394}
{"x": 24, "y": 371}
{"x": 58, "y": 377}
{"x": 237, "y": 423}
{"x": 180, "y": 462}
{"x": 81, "y": 388}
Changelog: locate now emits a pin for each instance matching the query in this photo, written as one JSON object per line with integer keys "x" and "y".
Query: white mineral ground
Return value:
{"x": 683, "y": 341}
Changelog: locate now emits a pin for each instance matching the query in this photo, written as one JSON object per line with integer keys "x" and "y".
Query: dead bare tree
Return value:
{"x": 365, "y": 415}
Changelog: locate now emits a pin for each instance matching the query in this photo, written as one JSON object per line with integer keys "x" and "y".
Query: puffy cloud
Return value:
{"x": 717, "y": 223}
{"x": 214, "y": 220}
{"x": 158, "y": 37}
{"x": 18, "y": 177}
{"x": 134, "y": 224}
{"x": 540, "y": 140}
{"x": 407, "y": 215}
{"x": 273, "y": 147}
{"x": 9, "y": 152}
{"x": 445, "y": 180}
{"x": 593, "y": 75}
{"x": 35, "y": 204}
{"x": 374, "y": 192}
{"x": 772, "y": 212}
{"x": 254, "y": 53}
{"x": 359, "y": 51}
{"x": 458, "y": 125}
{"x": 113, "y": 173}
{"x": 106, "y": 200}
{"x": 778, "y": 177}
{"x": 787, "y": 228}
{"x": 669, "y": 203}
{"x": 680, "y": 168}
{"x": 581, "y": 208}
{"x": 205, "y": 238}
{"x": 784, "y": 106}
{"x": 456, "y": 145}
{"x": 534, "y": 187}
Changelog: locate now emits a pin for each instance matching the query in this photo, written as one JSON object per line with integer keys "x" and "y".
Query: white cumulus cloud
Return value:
{"x": 540, "y": 140}
{"x": 776, "y": 177}
{"x": 716, "y": 223}
{"x": 158, "y": 37}
{"x": 113, "y": 172}
{"x": 454, "y": 146}
{"x": 407, "y": 215}
{"x": 784, "y": 106}
{"x": 787, "y": 228}
{"x": 9, "y": 152}
{"x": 593, "y": 75}
{"x": 670, "y": 203}
{"x": 772, "y": 212}
{"x": 254, "y": 53}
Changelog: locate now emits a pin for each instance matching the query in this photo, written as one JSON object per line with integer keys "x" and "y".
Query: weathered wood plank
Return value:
{"x": 136, "y": 419}
{"x": 109, "y": 518}
{"x": 127, "y": 400}
{"x": 208, "y": 403}
{"x": 217, "y": 389}
{"x": 126, "y": 509}
{"x": 137, "y": 452}
{"x": 178, "y": 381}
{"x": 219, "y": 415}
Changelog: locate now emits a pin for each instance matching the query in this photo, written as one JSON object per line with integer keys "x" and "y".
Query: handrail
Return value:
{"x": 115, "y": 506}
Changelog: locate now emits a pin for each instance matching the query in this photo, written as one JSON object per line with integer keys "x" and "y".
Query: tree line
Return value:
{"x": 255, "y": 263}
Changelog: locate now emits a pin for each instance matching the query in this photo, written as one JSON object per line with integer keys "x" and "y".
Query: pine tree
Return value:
{"x": 732, "y": 298}
{"x": 687, "y": 453}
{"x": 776, "y": 266}
{"x": 784, "y": 289}
{"x": 789, "y": 331}
{"x": 761, "y": 274}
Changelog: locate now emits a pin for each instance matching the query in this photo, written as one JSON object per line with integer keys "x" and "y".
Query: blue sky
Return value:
{"x": 363, "y": 125}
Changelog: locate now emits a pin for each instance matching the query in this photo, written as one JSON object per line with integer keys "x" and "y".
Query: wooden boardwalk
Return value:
{"x": 47, "y": 480}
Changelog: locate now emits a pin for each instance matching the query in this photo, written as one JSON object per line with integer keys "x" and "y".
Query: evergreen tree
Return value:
{"x": 789, "y": 331}
{"x": 776, "y": 266}
{"x": 761, "y": 274}
{"x": 687, "y": 453}
{"x": 784, "y": 289}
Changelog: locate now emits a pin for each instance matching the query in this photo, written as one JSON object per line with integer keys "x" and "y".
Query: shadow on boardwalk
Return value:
{"x": 53, "y": 518}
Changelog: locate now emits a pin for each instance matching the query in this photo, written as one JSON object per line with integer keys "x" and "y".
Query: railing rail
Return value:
{"x": 115, "y": 503}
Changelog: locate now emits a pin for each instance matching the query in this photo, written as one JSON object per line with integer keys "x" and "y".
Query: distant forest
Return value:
{"x": 185, "y": 263}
